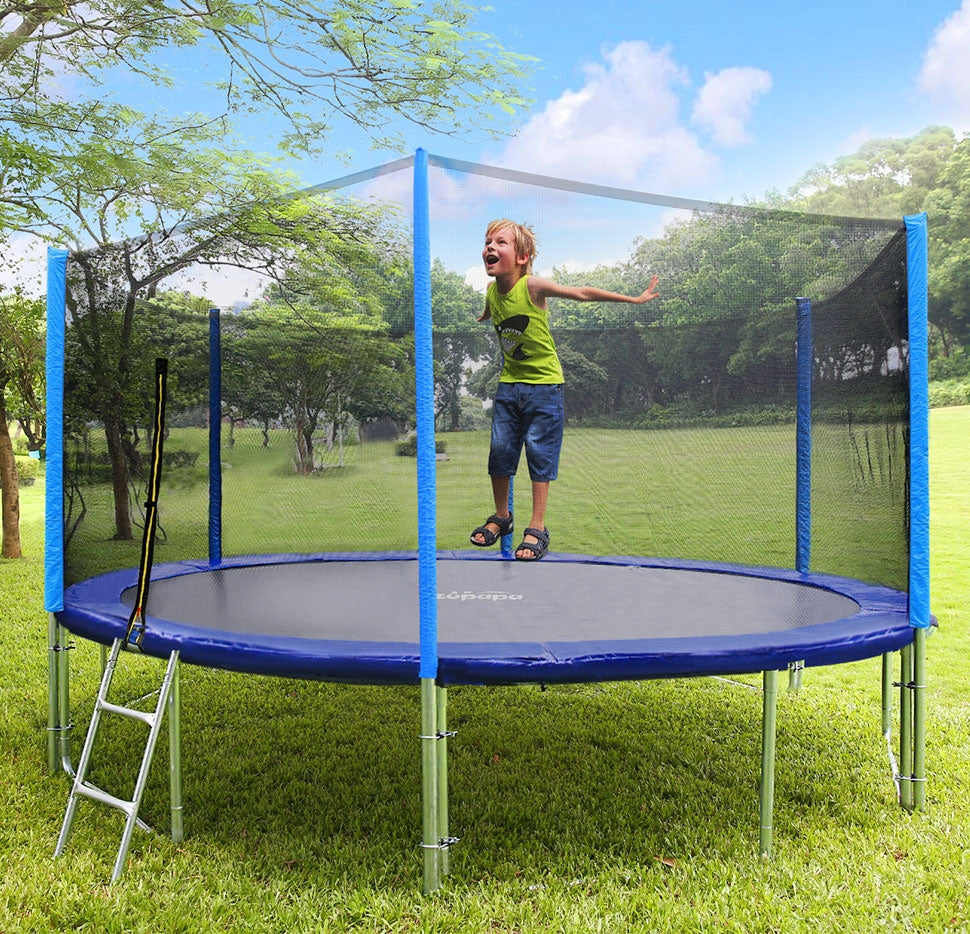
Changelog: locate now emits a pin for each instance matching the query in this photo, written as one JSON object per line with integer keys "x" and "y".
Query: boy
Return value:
{"x": 528, "y": 407}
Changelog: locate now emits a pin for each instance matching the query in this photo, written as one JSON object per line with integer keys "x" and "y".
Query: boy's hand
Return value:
{"x": 651, "y": 291}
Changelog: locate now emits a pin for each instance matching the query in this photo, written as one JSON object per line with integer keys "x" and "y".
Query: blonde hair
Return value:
{"x": 523, "y": 236}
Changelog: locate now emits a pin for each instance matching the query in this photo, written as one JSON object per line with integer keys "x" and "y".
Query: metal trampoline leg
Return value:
{"x": 442, "y": 769}
{"x": 768, "y": 726}
{"x": 53, "y": 710}
{"x": 912, "y": 724}
{"x": 906, "y": 727}
{"x": 65, "y": 725}
{"x": 175, "y": 753}
{"x": 429, "y": 767}
{"x": 887, "y": 695}
{"x": 919, "y": 720}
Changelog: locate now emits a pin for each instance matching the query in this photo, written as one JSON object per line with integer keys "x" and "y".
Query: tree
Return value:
{"x": 457, "y": 341}
{"x": 21, "y": 389}
{"x": 363, "y": 61}
{"x": 148, "y": 178}
{"x": 883, "y": 178}
{"x": 366, "y": 62}
{"x": 948, "y": 208}
{"x": 247, "y": 392}
{"x": 603, "y": 358}
{"x": 322, "y": 365}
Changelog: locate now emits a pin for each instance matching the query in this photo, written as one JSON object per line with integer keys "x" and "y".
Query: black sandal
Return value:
{"x": 504, "y": 528}
{"x": 538, "y": 548}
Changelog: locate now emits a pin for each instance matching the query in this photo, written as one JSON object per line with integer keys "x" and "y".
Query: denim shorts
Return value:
{"x": 529, "y": 414}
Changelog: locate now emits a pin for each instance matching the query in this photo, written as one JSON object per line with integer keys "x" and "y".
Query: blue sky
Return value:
{"x": 710, "y": 99}
{"x": 703, "y": 99}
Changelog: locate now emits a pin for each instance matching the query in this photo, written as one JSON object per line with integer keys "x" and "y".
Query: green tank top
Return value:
{"x": 524, "y": 336}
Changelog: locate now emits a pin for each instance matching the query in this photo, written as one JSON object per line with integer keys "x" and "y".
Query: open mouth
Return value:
{"x": 491, "y": 260}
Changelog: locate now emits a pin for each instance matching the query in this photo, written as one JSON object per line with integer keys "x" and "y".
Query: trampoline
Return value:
{"x": 570, "y": 618}
{"x": 786, "y": 436}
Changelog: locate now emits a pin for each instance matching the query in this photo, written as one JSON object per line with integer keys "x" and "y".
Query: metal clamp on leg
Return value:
{"x": 441, "y": 734}
{"x": 442, "y": 844}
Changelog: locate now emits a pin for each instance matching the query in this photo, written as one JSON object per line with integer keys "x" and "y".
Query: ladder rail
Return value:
{"x": 81, "y": 788}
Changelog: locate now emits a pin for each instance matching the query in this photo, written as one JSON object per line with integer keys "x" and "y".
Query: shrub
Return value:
{"x": 179, "y": 458}
{"x": 950, "y": 368}
{"x": 408, "y": 447}
{"x": 950, "y": 392}
{"x": 27, "y": 469}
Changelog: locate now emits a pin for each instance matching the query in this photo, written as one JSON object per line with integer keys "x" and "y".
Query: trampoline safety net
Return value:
{"x": 682, "y": 432}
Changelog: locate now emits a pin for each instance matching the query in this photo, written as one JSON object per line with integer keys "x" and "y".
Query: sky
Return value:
{"x": 707, "y": 99}
{"x": 713, "y": 100}
{"x": 700, "y": 99}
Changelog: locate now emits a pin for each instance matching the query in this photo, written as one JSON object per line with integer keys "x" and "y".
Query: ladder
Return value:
{"x": 83, "y": 789}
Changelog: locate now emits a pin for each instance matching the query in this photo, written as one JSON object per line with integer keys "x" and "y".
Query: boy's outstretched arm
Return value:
{"x": 541, "y": 289}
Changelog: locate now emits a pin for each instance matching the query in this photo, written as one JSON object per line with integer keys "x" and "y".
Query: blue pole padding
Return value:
{"x": 919, "y": 444}
{"x": 54, "y": 492}
{"x": 506, "y": 540}
{"x": 215, "y": 438}
{"x": 803, "y": 437}
{"x": 424, "y": 405}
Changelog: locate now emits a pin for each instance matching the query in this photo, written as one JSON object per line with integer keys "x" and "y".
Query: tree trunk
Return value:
{"x": 119, "y": 481}
{"x": 11, "y": 489}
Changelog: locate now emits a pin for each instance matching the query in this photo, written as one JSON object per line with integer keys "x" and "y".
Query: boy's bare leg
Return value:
{"x": 540, "y": 496}
{"x": 500, "y": 493}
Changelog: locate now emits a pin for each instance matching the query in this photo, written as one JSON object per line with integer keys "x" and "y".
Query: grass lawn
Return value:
{"x": 608, "y": 807}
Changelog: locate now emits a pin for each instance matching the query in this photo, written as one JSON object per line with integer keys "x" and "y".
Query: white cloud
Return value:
{"x": 622, "y": 127}
{"x": 477, "y": 278}
{"x": 945, "y": 75}
{"x": 724, "y": 104}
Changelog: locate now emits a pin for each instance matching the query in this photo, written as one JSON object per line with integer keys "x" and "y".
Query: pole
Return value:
{"x": 427, "y": 522}
{"x": 442, "y": 766}
{"x": 215, "y": 438}
{"x": 430, "y": 787}
{"x": 175, "y": 753}
{"x": 768, "y": 732}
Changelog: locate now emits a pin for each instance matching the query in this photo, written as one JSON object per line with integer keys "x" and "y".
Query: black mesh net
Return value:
{"x": 680, "y": 438}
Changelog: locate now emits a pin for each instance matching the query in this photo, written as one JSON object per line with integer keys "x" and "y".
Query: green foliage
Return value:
{"x": 884, "y": 178}
{"x": 458, "y": 340}
{"x": 27, "y": 470}
{"x": 362, "y": 62}
{"x": 22, "y": 363}
{"x": 895, "y": 177}
{"x": 947, "y": 207}
{"x": 321, "y": 363}
{"x": 950, "y": 392}
{"x": 474, "y": 416}
{"x": 408, "y": 447}
{"x": 951, "y": 367}
{"x": 722, "y": 338}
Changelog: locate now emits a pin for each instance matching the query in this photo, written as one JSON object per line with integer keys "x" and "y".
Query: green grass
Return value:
{"x": 724, "y": 494}
{"x": 613, "y": 807}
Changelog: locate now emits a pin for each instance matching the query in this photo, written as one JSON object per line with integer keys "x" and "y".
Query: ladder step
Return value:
{"x": 82, "y": 788}
{"x": 99, "y": 794}
{"x": 130, "y": 712}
